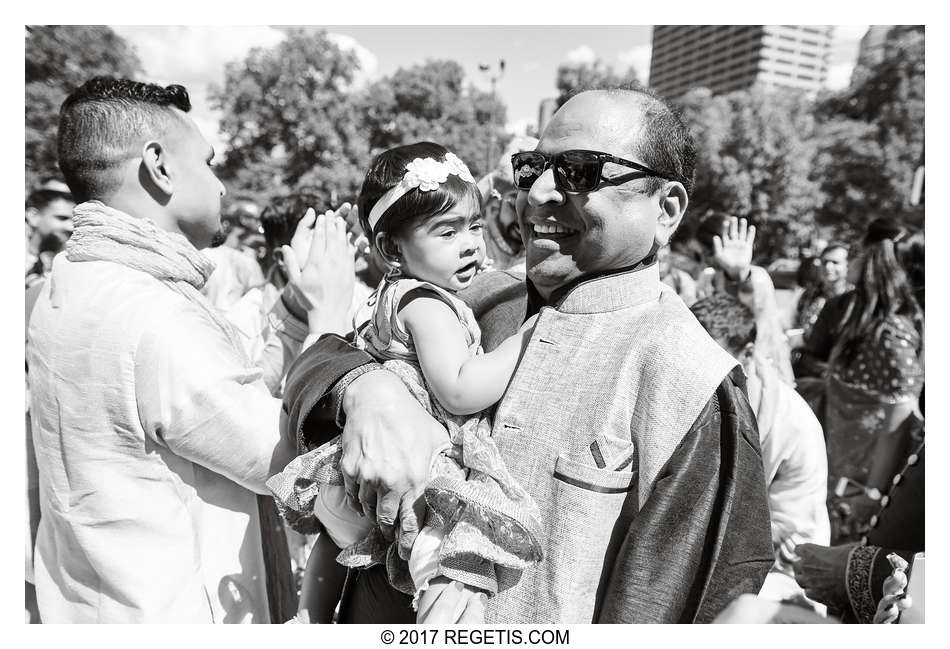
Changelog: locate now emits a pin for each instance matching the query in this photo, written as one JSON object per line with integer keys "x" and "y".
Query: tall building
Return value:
{"x": 724, "y": 58}
{"x": 872, "y": 50}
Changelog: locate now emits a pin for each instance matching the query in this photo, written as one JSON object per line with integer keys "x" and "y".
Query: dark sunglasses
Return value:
{"x": 576, "y": 170}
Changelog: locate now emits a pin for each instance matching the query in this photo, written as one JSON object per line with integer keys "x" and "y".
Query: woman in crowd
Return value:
{"x": 867, "y": 347}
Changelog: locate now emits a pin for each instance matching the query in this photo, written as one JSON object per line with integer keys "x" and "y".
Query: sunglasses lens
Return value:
{"x": 528, "y": 167}
{"x": 577, "y": 171}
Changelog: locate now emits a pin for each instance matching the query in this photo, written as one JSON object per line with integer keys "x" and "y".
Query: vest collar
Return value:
{"x": 604, "y": 292}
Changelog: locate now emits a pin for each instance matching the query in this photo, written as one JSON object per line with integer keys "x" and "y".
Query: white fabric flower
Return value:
{"x": 426, "y": 174}
{"x": 458, "y": 167}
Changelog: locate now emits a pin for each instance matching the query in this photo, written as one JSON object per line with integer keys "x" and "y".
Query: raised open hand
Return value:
{"x": 732, "y": 251}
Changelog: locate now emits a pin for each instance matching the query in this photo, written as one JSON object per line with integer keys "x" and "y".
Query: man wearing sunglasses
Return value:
{"x": 625, "y": 421}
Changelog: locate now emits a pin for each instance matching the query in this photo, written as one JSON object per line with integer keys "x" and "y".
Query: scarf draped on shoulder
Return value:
{"x": 102, "y": 233}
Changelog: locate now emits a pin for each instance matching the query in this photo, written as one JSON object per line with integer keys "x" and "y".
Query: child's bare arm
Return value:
{"x": 461, "y": 383}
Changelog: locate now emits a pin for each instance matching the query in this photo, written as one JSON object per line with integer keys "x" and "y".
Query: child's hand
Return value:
{"x": 451, "y": 602}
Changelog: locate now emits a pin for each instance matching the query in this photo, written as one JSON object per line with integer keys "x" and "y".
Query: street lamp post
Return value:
{"x": 494, "y": 76}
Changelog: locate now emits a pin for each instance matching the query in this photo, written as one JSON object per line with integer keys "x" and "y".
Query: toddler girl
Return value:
{"x": 420, "y": 207}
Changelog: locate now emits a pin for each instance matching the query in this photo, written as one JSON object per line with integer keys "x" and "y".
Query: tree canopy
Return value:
{"x": 433, "y": 102}
{"x": 871, "y": 140}
{"x": 294, "y": 120}
{"x": 290, "y": 118}
{"x": 754, "y": 156}
{"x": 576, "y": 77}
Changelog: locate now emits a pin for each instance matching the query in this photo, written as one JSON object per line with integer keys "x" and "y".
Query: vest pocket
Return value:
{"x": 587, "y": 505}
{"x": 602, "y": 481}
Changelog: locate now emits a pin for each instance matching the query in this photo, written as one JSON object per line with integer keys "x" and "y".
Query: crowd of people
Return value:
{"x": 522, "y": 398}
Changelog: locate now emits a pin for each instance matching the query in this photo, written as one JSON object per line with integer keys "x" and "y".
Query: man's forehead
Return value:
{"x": 185, "y": 129}
{"x": 598, "y": 121}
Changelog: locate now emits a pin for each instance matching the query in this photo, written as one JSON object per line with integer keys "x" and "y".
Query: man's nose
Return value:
{"x": 223, "y": 190}
{"x": 543, "y": 190}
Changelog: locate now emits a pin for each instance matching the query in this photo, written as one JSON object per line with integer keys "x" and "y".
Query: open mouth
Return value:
{"x": 552, "y": 231}
{"x": 467, "y": 269}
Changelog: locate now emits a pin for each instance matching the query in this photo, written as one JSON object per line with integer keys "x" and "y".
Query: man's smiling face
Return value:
{"x": 569, "y": 236}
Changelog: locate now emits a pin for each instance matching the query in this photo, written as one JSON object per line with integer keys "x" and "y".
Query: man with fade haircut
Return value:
{"x": 152, "y": 423}
{"x": 625, "y": 421}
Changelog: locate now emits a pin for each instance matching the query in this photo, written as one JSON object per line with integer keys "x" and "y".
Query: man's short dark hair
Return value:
{"x": 665, "y": 143}
{"x": 105, "y": 122}
{"x": 726, "y": 319}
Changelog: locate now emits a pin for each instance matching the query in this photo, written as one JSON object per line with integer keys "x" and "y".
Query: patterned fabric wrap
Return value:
{"x": 859, "y": 398}
{"x": 492, "y": 526}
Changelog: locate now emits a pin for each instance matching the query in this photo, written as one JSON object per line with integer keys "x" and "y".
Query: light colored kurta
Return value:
{"x": 152, "y": 436}
{"x": 235, "y": 273}
{"x": 796, "y": 468}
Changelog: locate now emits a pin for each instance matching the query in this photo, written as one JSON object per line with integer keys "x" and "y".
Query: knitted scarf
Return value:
{"x": 101, "y": 233}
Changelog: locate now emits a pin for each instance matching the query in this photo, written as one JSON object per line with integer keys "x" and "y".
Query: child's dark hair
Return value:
{"x": 387, "y": 170}
{"x": 726, "y": 318}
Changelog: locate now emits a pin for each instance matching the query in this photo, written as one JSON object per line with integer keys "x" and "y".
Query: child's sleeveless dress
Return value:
{"x": 491, "y": 526}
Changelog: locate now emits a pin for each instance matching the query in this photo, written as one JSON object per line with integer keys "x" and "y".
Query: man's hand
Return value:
{"x": 732, "y": 252}
{"x": 451, "y": 602}
{"x": 389, "y": 441}
{"x": 820, "y": 571}
{"x": 328, "y": 275}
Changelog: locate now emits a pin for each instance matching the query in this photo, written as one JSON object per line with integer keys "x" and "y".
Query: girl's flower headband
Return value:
{"x": 426, "y": 174}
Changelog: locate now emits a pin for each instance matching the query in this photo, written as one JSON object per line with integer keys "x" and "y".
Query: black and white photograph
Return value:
{"x": 468, "y": 325}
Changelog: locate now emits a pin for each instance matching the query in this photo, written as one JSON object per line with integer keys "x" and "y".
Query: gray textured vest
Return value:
{"x": 610, "y": 383}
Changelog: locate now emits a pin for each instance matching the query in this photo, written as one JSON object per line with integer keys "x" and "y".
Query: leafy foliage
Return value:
{"x": 432, "y": 102}
{"x": 295, "y": 120}
{"x": 576, "y": 77}
{"x": 755, "y": 150}
{"x": 871, "y": 140}
{"x": 290, "y": 119}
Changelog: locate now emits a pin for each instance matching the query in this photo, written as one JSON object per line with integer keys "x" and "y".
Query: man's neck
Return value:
{"x": 536, "y": 300}
{"x": 136, "y": 207}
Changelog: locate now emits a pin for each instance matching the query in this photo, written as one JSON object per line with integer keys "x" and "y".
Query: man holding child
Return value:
{"x": 625, "y": 421}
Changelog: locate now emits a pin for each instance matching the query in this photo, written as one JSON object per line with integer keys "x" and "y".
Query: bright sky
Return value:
{"x": 531, "y": 54}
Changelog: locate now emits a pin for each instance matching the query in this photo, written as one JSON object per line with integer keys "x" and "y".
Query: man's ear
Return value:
{"x": 32, "y": 216}
{"x": 673, "y": 202}
{"x": 388, "y": 249}
{"x": 155, "y": 166}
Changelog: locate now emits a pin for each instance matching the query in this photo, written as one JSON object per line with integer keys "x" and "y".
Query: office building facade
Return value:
{"x": 725, "y": 58}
